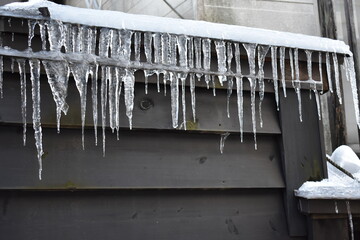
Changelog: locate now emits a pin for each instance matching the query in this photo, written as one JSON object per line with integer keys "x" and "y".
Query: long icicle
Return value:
{"x": 35, "y": 84}
{"x": 192, "y": 93}
{"x": 103, "y": 93}
{"x": 275, "y": 74}
{"x": 297, "y": 81}
{"x": 240, "y": 105}
{"x": 262, "y": 51}
{"x": 282, "y": 69}
{"x": 21, "y": 65}
{"x": 94, "y": 95}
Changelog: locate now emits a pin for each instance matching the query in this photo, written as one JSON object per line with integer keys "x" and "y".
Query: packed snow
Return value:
{"x": 338, "y": 185}
{"x": 106, "y": 46}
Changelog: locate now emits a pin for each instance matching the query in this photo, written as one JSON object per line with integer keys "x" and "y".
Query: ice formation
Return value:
{"x": 90, "y": 43}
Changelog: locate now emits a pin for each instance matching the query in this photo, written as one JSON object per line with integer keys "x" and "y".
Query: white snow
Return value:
{"x": 118, "y": 20}
{"x": 338, "y": 185}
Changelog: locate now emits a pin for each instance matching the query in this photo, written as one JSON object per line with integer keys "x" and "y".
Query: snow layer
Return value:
{"x": 338, "y": 185}
{"x": 118, "y": 20}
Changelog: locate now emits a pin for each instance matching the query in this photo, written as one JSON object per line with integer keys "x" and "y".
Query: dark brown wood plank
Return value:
{"x": 140, "y": 159}
{"x": 303, "y": 153}
{"x": 153, "y": 215}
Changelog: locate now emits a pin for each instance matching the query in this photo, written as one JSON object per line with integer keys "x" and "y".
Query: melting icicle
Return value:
{"x": 229, "y": 55}
{"x": 57, "y": 78}
{"x": 350, "y": 75}
{"x": 94, "y": 95}
{"x": 103, "y": 93}
{"x": 42, "y": 34}
{"x": 183, "y": 99}
{"x": 328, "y": 71}
{"x": 337, "y": 78}
{"x": 230, "y": 85}
{"x": 282, "y": 69}
{"x": 112, "y": 95}
{"x": 1, "y": 76}
{"x": 157, "y": 47}
{"x": 31, "y": 25}
{"x": 197, "y": 46}
{"x": 237, "y": 58}
{"x": 55, "y": 29}
{"x": 275, "y": 74}
{"x": 129, "y": 83}
{"x": 240, "y": 104}
{"x": 174, "y": 85}
{"x": 296, "y": 83}
{"x": 253, "y": 109}
{"x": 251, "y": 51}
{"x": 206, "y": 47}
{"x": 182, "y": 46}
{"x": 192, "y": 92}
{"x": 137, "y": 46}
{"x": 336, "y": 208}
{"x": 80, "y": 71}
{"x": 35, "y": 84}
{"x": 148, "y": 46}
{"x": 221, "y": 55}
{"x": 21, "y": 65}
{"x": 223, "y": 138}
{"x": 351, "y": 224}
{"x": 262, "y": 51}
{"x": 165, "y": 48}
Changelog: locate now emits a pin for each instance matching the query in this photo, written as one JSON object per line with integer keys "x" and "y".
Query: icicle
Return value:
{"x": 1, "y": 76}
{"x": 275, "y": 74}
{"x": 21, "y": 65}
{"x": 351, "y": 224}
{"x": 66, "y": 37}
{"x": 12, "y": 36}
{"x": 112, "y": 95}
{"x": 291, "y": 64}
{"x": 103, "y": 93}
{"x": 104, "y": 42}
{"x": 114, "y": 43}
{"x": 318, "y": 105}
{"x": 172, "y": 50}
{"x": 328, "y": 71}
{"x": 191, "y": 52}
{"x": 237, "y": 58}
{"x": 174, "y": 85}
{"x": 119, "y": 74}
{"x": 230, "y": 85}
{"x": 197, "y": 46}
{"x": 55, "y": 29}
{"x": 94, "y": 95}
{"x": 42, "y": 34}
{"x": 223, "y": 138}
{"x": 137, "y": 46}
{"x": 9, "y": 22}
{"x": 296, "y": 84}
{"x": 320, "y": 73}
{"x": 166, "y": 78}
{"x": 165, "y": 48}
{"x": 56, "y": 72}
{"x": 221, "y": 55}
{"x": 129, "y": 83}
{"x": 31, "y": 25}
{"x": 336, "y": 208}
{"x": 253, "y": 109}
{"x": 213, "y": 85}
{"x": 92, "y": 33}
{"x": 192, "y": 92}
{"x": 206, "y": 47}
{"x": 229, "y": 55}
{"x": 282, "y": 69}
{"x": 35, "y": 83}
{"x": 157, "y": 47}
{"x": 240, "y": 103}
{"x": 182, "y": 46}
{"x": 251, "y": 50}
{"x": 125, "y": 40}
{"x": 350, "y": 75}
{"x": 262, "y": 51}
{"x": 12, "y": 66}
{"x": 80, "y": 71}
{"x": 183, "y": 99}
{"x": 158, "y": 82}
{"x": 337, "y": 78}
{"x": 148, "y": 46}
{"x": 147, "y": 74}
{"x": 309, "y": 63}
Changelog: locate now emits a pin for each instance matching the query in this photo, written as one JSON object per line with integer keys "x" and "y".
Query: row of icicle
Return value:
{"x": 178, "y": 58}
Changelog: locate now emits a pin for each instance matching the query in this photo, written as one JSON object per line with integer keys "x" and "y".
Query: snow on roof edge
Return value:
{"x": 118, "y": 20}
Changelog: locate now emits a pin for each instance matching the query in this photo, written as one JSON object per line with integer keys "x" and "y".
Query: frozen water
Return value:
{"x": 262, "y": 51}
{"x": 337, "y": 77}
{"x": 22, "y": 72}
{"x": 275, "y": 74}
{"x": 351, "y": 224}
{"x": 223, "y": 138}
